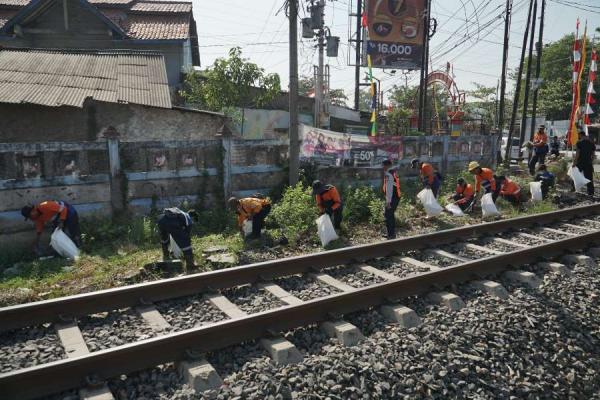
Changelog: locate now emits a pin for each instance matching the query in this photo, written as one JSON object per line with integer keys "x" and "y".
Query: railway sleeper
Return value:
{"x": 578, "y": 259}
{"x": 527, "y": 278}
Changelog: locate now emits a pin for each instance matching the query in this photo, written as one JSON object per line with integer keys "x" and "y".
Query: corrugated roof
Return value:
{"x": 56, "y": 77}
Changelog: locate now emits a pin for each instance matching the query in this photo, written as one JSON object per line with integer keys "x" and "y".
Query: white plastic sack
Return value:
{"x": 455, "y": 210}
{"x": 173, "y": 248}
{"x": 247, "y": 227}
{"x": 578, "y": 179}
{"x": 536, "y": 191}
{"x": 326, "y": 231}
{"x": 63, "y": 245}
{"x": 488, "y": 207}
{"x": 432, "y": 207}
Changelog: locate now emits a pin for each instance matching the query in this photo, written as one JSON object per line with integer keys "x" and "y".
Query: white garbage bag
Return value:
{"x": 432, "y": 207}
{"x": 63, "y": 245}
{"x": 488, "y": 207}
{"x": 536, "y": 191}
{"x": 173, "y": 248}
{"x": 326, "y": 232}
{"x": 578, "y": 179}
{"x": 455, "y": 210}
{"x": 247, "y": 227}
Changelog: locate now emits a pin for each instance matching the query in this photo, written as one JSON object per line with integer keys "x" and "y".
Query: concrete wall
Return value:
{"x": 33, "y": 123}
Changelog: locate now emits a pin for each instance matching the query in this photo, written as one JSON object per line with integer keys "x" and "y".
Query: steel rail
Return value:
{"x": 71, "y": 373}
{"x": 70, "y": 307}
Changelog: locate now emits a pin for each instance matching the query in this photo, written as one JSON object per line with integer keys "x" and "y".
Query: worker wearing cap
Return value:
{"x": 509, "y": 190}
{"x": 328, "y": 202}
{"x": 431, "y": 179}
{"x": 177, "y": 224}
{"x": 540, "y": 148}
{"x": 254, "y": 209}
{"x": 464, "y": 196}
{"x": 64, "y": 217}
{"x": 391, "y": 190}
{"x": 484, "y": 177}
{"x": 546, "y": 178}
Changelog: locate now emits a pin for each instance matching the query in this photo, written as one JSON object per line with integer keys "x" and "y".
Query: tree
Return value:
{"x": 484, "y": 105}
{"x": 231, "y": 82}
{"x": 306, "y": 87}
{"x": 404, "y": 97}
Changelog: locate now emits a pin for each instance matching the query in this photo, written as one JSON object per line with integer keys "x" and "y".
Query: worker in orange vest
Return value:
{"x": 64, "y": 217}
{"x": 391, "y": 190}
{"x": 509, "y": 190}
{"x": 540, "y": 148}
{"x": 431, "y": 178}
{"x": 464, "y": 196}
{"x": 484, "y": 177}
{"x": 255, "y": 209}
{"x": 329, "y": 202}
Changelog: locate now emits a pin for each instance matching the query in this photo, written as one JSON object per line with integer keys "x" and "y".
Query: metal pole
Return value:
{"x": 294, "y": 144}
{"x": 518, "y": 88}
{"x": 423, "y": 77}
{"x": 358, "y": 51}
{"x": 537, "y": 70}
{"x": 319, "y": 82}
{"x": 426, "y": 66}
{"x": 504, "y": 62}
{"x": 527, "y": 80}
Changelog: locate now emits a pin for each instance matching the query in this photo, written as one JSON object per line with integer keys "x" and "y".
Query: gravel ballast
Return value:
{"x": 305, "y": 288}
{"x": 353, "y": 276}
{"x": 251, "y": 299}
{"x": 188, "y": 312}
{"x": 27, "y": 347}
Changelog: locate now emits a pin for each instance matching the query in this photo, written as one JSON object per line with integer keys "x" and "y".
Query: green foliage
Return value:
{"x": 398, "y": 122}
{"x": 357, "y": 204}
{"x": 376, "y": 208}
{"x": 484, "y": 106}
{"x": 404, "y": 97}
{"x": 559, "y": 168}
{"x": 231, "y": 82}
{"x": 306, "y": 86}
{"x": 296, "y": 213}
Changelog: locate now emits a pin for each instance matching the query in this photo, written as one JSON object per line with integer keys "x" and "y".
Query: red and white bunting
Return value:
{"x": 589, "y": 99}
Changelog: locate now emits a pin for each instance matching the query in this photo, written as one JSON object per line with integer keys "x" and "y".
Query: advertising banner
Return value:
{"x": 330, "y": 148}
{"x": 396, "y": 33}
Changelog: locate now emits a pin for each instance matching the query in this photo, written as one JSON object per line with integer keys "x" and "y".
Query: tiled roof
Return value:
{"x": 56, "y": 77}
{"x": 156, "y": 26}
{"x": 140, "y": 19}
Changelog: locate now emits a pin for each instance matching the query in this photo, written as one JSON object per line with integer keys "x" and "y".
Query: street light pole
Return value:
{"x": 293, "y": 93}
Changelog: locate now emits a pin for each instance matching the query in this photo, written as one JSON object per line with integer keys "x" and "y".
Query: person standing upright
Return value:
{"x": 540, "y": 148}
{"x": 391, "y": 190}
{"x": 584, "y": 159}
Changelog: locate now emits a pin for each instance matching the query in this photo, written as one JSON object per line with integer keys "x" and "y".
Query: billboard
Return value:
{"x": 396, "y": 31}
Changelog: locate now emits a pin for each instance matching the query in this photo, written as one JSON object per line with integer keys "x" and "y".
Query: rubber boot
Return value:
{"x": 165, "y": 251}
{"x": 189, "y": 260}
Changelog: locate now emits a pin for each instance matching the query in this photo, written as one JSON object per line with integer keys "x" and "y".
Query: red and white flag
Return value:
{"x": 589, "y": 99}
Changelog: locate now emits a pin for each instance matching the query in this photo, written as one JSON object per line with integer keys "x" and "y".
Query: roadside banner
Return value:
{"x": 396, "y": 32}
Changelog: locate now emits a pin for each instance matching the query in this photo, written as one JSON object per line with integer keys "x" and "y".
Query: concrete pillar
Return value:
{"x": 118, "y": 197}
{"x": 226, "y": 142}
{"x": 446, "y": 147}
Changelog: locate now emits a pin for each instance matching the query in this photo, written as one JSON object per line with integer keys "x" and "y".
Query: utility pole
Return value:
{"x": 528, "y": 80}
{"x": 518, "y": 88}
{"x": 424, "y": 68}
{"x": 294, "y": 143}
{"x": 358, "y": 53}
{"x": 538, "y": 67}
{"x": 507, "y": 21}
{"x": 320, "y": 68}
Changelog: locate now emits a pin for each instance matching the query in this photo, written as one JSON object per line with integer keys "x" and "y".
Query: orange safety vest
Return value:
{"x": 510, "y": 188}
{"x": 250, "y": 206}
{"x": 329, "y": 197}
{"x": 540, "y": 139}
{"x": 486, "y": 175}
{"x": 48, "y": 210}
{"x": 427, "y": 172}
{"x": 396, "y": 181}
{"x": 467, "y": 193}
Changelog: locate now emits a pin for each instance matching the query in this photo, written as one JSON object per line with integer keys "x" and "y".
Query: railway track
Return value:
{"x": 358, "y": 278}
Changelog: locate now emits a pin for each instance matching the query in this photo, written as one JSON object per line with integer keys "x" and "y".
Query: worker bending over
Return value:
{"x": 429, "y": 176}
{"x": 253, "y": 209}
{"x": 540, "y": 148}
{"x": 64, "y": 217}
{"x": 547, "y": 178}
{"x": 509, "y": 190}
{"x": 464, "y": 196}
{"x": 329, "y": 202}
{"x": 391, "y": 190}
{"x": 177, "y": 224}
{"x": 484, "y": 177}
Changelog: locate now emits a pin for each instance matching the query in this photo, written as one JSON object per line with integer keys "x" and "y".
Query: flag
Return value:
{"x": 589, "y": 98}
{"x": 363, "y": 20}
{"x": 373, "y": 93}
{"x": 579, "y": 55}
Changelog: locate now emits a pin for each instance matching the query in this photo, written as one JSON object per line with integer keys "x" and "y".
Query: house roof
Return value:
{"x": 138, "y": 19}
{"x": 67, "y": 78}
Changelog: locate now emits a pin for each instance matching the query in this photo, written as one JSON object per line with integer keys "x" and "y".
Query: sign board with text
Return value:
{"x": 396, "y": 33}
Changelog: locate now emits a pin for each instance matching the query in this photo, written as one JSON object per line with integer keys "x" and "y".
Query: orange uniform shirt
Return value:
{"x": 48, "y": 210}
{"x": 248, "y": 207}
{"x": 485, "y": 175}
{"x": 427, "y": 172}
{"x": 540, "y": 139}
{"x": 509, "y": 188}
{"x": 331, "y": 195}
{"x": 467, "y": 193}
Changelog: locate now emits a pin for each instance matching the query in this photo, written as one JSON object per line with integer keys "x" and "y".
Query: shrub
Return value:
{"x": 376, "y": 212}
{"x": 295, "y": 213}
{"x": 357, "y": 202}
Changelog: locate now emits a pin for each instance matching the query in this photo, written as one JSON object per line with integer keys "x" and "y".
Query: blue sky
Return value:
{"x": 262, "y": 33}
